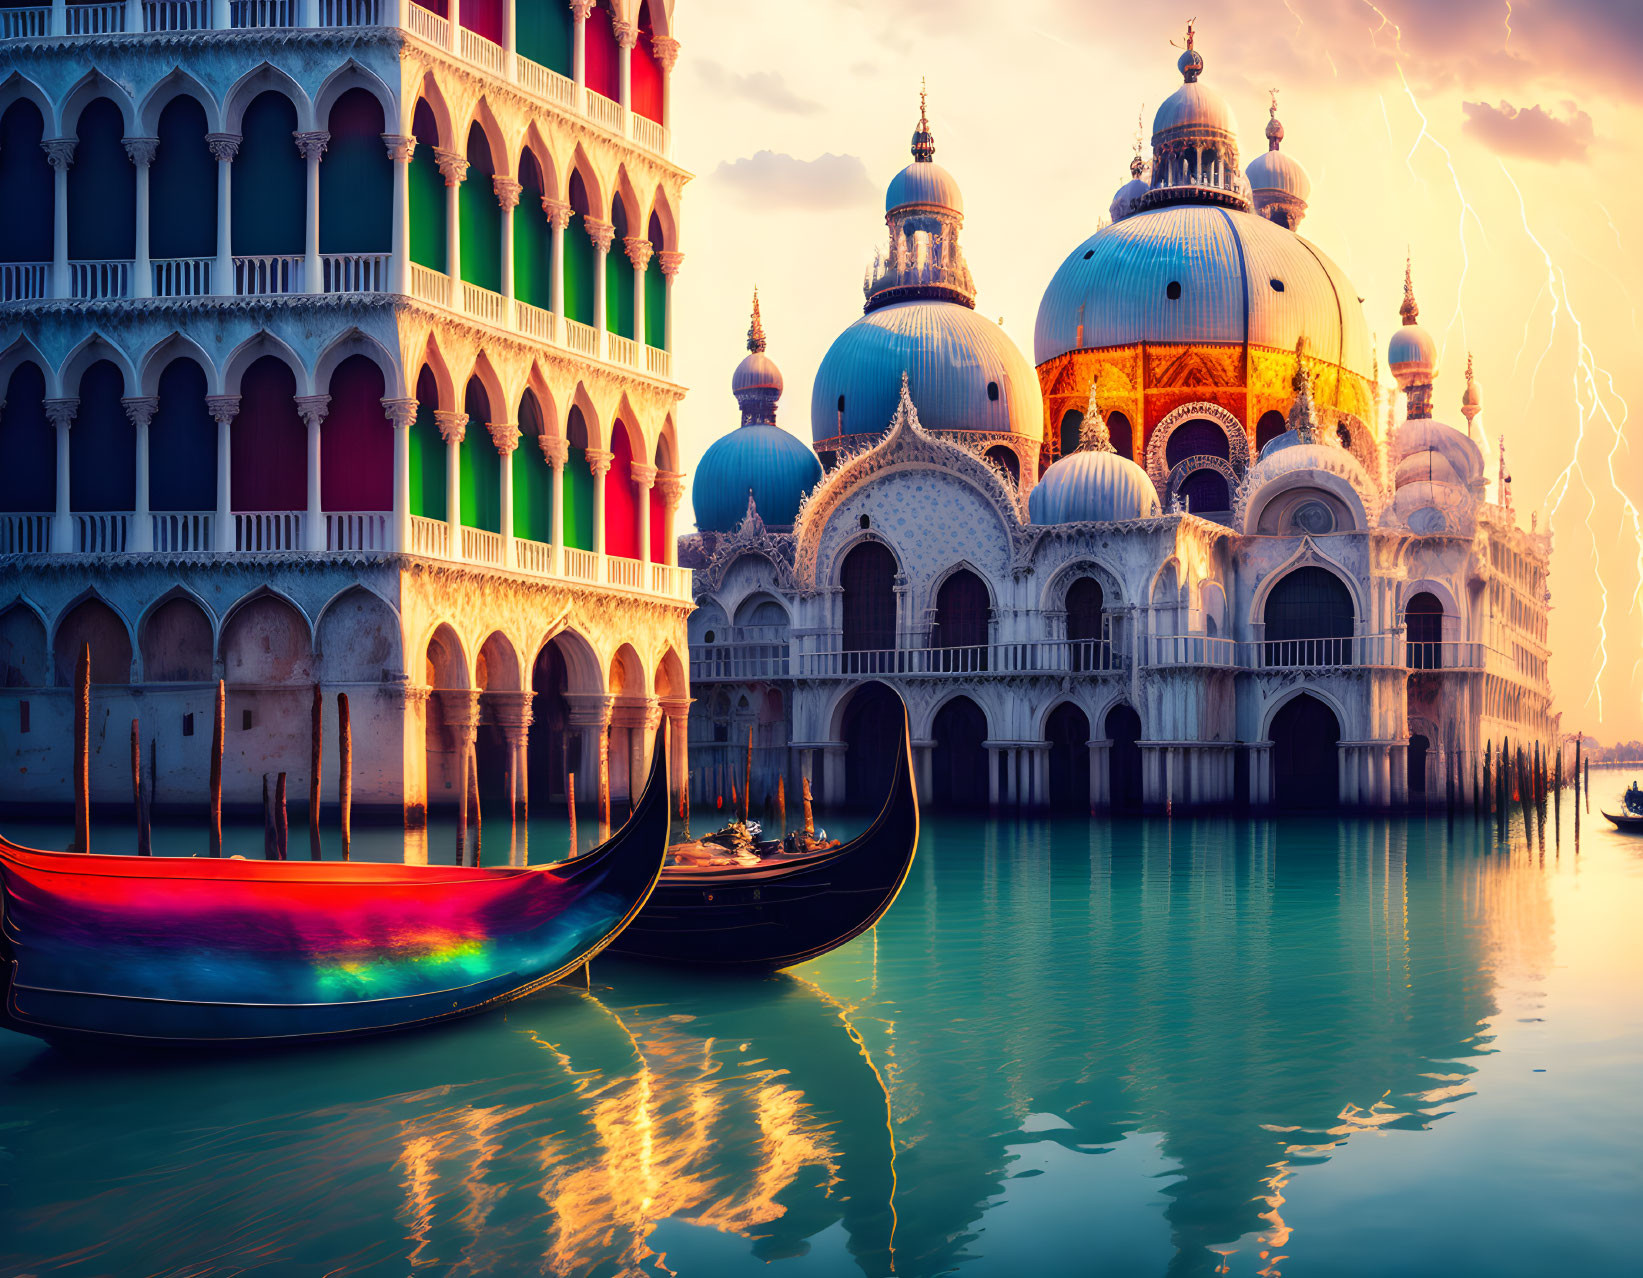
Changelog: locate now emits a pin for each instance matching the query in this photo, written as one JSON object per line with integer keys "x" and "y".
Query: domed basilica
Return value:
{"x": 1180, "y": 562}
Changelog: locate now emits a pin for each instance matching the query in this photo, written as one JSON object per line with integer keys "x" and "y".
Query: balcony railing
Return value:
{"x": 535, "y": 78}
{"x": 268, "y": 276}
{"x": 534, "y": 557}
{"x": 602, "y": 111}
{"x": 430, "y": 285}
{"x": 102, "y": 534}
{"x": 736, "y": 661}
{"x": 25, "y": 24}
{"x": 650, "y": 135}
{"x": 429, "y": 25}
{"x": 183, "y": 530}
{"x": 476, "y": 49}
{"x": 350, "y": 13}
{"x": 359, "y": 530}
{"x": 1189, "y": 650}
{"x": 355, "y": 272}
{"x": 1422, "y": 654}
{"x": 1030, "y": 656}
{"x": 482, "y": 547}
{"x": 535, "y": 323}
{"x": 94, "y": 19}
{"x": 482, "y": 304}
{"x": 430, "y": 537}
{"x": 269, "y": 530}
{"x": 264, "y": 13}
{"x": 25, "y": 534}
{"x": 582, "y": 338}
{"x": 94, "y": 281}
{"x": 182, "y": 276}
{"x": 579, "y": 565}
{"x": 659, "y": 363}
{"x": 24, "y": 281}
{"x": 177, "y": 15}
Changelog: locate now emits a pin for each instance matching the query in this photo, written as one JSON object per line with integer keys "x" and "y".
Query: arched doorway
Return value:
{"x": 1006, "y": 460}
{"x": 1418, "y": 748}
{"x": 1072, "y": 424}
{"x": 551, "y": 752}
{"x": 1309, "y": 617}
{"x": 1205, "y": 492}
{"x": 1305, "y": 734}
{"x": 871, "y": 732}
{"x": 1271, "y": 425}
{"x": 1121, "y": 434}
{"x": 1196, "y": 438}
{"x": 958, "y": 765}
{"x": 1086, "y": 624}
{"x": 1123, "y": 729}
{"x": 1423, "y": 621}
{"x": 960, "y": 630}
{"x": 1068, "y": 732}
{"x": 868, "y": 579}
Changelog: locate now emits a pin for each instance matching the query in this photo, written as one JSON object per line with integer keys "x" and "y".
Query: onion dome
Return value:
{"x": 1092, "y": 484}
{"x": 1424, "y": 449}
{"x": 1307, "y": 488}
{"x": 1127, "y": 199}
{"x": 1197, "y": 275}
{"x": 923, "y": 211}
{"x": 965, "y": 372}
{"x": 758, "y": 461}
{"x": 1277, "y": 182}
{"x": 1412, "y": 355}
{"x": 1195, "y": 143}
{"x": 923, "y": 182}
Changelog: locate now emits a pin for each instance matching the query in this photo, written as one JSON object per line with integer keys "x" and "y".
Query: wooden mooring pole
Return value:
{"x": 219, "y": 723}
{"x": 143, "y": 846}
{"x": 781, "y": 804}
{"x": 316, "y": 760}
{"x": 809, "y": 813}
{"x": 570, "y": 806}
{"x": 82, "y": 751}
{"x": 747, "y": 778}
{"x": 473, "y": 802}
{"x": 282, "y": 824}
{"x": 345, "y": 772}
{"x": 270, "y": 849}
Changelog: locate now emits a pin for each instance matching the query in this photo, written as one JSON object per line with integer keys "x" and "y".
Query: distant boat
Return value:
{"x": 783, "y": 910}
{"x": 228, "y": 952}
{"x": 1631, "y": 822}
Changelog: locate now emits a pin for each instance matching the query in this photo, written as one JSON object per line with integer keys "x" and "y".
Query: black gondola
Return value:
{"x": 782, "y": 912}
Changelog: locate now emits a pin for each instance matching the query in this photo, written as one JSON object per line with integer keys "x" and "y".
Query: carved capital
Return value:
{"x": 601, "y": 233}
{"x": 59, "y": 153}
{"x": 140, "y": 151}
{"x": 557, "y": 211}
{"x": 504, "y": 436}
{"x": 223, "y": 146}
{"x": 60, "y": 412}
{"x": 312, "y": 409}
{"x": 644, "y": 474}
{"x": 627, "y": 35}
{"x": 666, "y": 50}
{"x": 452, "y": 165}
{"x": 599, "y": 460}
{"x": 401, "y": 412}
{"x": 581, "y": 9}
{"x": 223, "y": 408}
{"x": 312, "y": 145}
{"x": 555, "y": 449}
{"x": 507, "y": 193}
{"x": 671, "y": 261}
{"x": 140, "y": 409}
{"x": 672, "y": 487}
{"x": 639, "y": 250}
{"x": 400, "y": 149}
{"x": 453, "y": 426}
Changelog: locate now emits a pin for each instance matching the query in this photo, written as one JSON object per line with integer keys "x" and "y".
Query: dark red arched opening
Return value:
{"x": 871, "y": 731}
{"x": 1424, "y": 622}
{"x": 1086, "y": 623}
{"x": 603, "y": 55}
{"x": 1305, "y": 733}
{"x": 960, "y": 630}
{"x": 621, "y": 502}
{"x": 1197, "y": 438}
{"x": 1072, "y": 425}
{"x": 658, "y": 510}
{"x": 1122, "y": 435}
{"x": 268, "y": 456}
{"x": 868, "y": 579}
{"x": 646, "y": 76}
{"x": 1068, "y": 732}
{"x": 356, "y": 443}
{"x": 1271, "y": 425}
{"x": 1206, "y": 492}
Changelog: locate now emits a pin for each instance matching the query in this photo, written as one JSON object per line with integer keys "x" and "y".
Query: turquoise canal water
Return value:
{"x": 1309, "y": 1047}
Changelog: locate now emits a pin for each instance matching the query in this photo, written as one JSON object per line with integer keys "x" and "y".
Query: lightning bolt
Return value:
{"x": 1508, "y": 21}
{"x": 1590, "y": 407}
{"x": 1397, "y": 31}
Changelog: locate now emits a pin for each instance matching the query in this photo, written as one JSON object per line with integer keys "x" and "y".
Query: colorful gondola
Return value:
{"x": 782, "y": 911}
{"x": 206, "y": 952}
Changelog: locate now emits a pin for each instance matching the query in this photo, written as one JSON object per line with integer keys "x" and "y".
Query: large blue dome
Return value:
{"x": 759, "y": 458}
{"x": 1095, "y": 486}
{"x": 963, "y": 371}
{"x": 923, "y": 182}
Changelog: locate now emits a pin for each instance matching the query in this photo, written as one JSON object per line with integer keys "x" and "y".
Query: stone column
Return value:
{"x": 507, "y": 200}
{"x": 1101, "y": 775}
{"x": 223, "y": 410}
{"x": 311, "y": 146}
{"x": 511, "y": 712}
{"x": 644, "y": 478}
{"x": 994, "y": 753}
{"x": 579, "y": 48}
{"x": 140, "y": 412}
{"x": 833, "y": 782}
{"x": 400, "y": 150}
{"x": 558, "y": 213}
{"x": 670, "y": 263}
{"x": 923, "y": 757}
{"x": 666, "y": 50}
{"x": 224, "y": 147}
{"x": 460, "y": 709}
{"x": 140, "y": 151}
{"x": 588, "y": 717}
{"x": 672, "y": 484}
{"x": 453, "y": 168}
{"x": 639, "y": 250}
{"x": 402, "y": 413}
{"x": 510, "y": 39}
{"x": 60, "y": 413}
{"x": 555, "y": 451}
{"x": 453, "y": 427}
{"x": 601, "y": 233}
{"x": 312, "y": 409}
{"x": 505, "y": 436}
{"x": 599, "y": 460}
{"x": 627, "y": 35}
{"x": 60, "y": 155}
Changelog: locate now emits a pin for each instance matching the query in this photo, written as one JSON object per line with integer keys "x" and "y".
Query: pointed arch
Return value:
{"x": 270, "y": 180}
{"x": 23, "y": 351}
{"x": 28, "y": 216}
{"x": 264, "y": 78}
{"x": 24, "y": 656}
{"x": 349, "y": 344}
{"x": 497, "y": 667}
{"x": 266, "y": 639}
{"x": 627, "y": 677}
{"x": 102, "y": 183}
{"x": 182, "y": 179}
{"x": 177, "y": 638}
{"x": 433, "y": 363}
{"x": 358, "y": 638}
{"x": 354, "y": 75}
{"x": 28, "y": 440}
{"x": 429, "y": 461}
{"x": 425, "y": 185}
{"x": 262, "y": 344}
{"x": 356, "y": 177}
{"x": 92, "y": 621}
{"x": 17, "y": 87}
{"x": 429, "y": 95}
{"x": 176, "y": 83}
{"x": 88, "y": 351}
{"x": 356, "y": 438}
{"x": 182, "y": 435}
{"x": 91, "y": 86}
{"x": 163, "y": 353}
{"x": 445, "y": 659}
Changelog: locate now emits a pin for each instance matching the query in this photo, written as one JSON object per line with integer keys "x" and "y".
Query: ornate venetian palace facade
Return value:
{"x": 1181, "y": 562}
{"x": 334, "y": 341}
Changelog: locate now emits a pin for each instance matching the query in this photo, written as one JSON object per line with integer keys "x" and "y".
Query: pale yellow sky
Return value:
{"x": 1034, "y": 105}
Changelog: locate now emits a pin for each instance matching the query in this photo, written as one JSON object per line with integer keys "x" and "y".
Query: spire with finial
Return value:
{"x": 1298, "y": 376}
{"x": 1274, "y": 129}
{"x": 1409, "y": 310}
{"x": 924, "y": 142}
{"x": 1505, "y": 476}
{"x": 755, "y": 330}
{"x": 1093, "y": 435}
{"x": 1303, "y": 416}
{"x": 1471, "y": 401}
{"x": 1191, "y": 62}
{"x": 1137, "y": 164}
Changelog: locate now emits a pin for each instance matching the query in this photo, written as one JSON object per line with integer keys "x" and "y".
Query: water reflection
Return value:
{"x": 1129, "y": 1047}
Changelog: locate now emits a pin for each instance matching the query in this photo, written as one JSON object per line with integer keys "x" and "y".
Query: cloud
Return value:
{"x": 1529, "y": 131}
{"x": 765, "y": 88}
{"x": 773, "y": 179}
